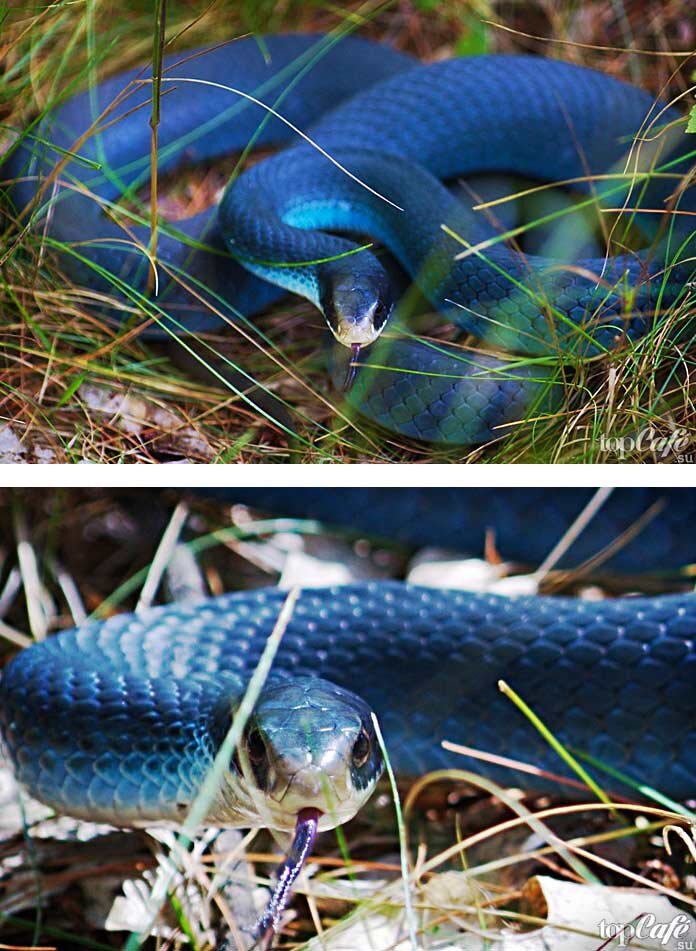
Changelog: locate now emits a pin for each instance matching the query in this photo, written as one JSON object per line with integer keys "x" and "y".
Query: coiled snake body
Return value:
{"x": 401, "y": 130}
{"x": 112, "y": 722}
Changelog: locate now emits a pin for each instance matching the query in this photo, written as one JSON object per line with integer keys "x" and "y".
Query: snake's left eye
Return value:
{"x": 255, "y": 748}
{"x": 255, "y": 753}
{"x": 361, "y": 749}
{"x": 381, "y": 312}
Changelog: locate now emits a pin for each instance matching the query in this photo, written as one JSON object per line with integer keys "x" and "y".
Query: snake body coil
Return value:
{"x": 405, "y": 129}
{"x": 112, "y": 721}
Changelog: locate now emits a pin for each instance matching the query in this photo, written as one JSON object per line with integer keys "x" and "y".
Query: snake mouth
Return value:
{"x": 324, "y": 779}
{"x": 350, "y": 333}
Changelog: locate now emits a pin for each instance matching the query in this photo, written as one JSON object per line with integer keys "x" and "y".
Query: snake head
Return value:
{"x": 356, "y": 299}
{"x": 308, "y": 745}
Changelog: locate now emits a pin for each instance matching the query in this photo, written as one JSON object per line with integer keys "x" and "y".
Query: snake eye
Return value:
{"x": 381, "y": 312}
{"x": 255, "y": 748}
{"x": 361, "y": 749}
{"x": 255, "y": 753}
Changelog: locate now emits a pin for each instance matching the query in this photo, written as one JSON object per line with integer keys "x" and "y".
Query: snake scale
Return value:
{"x": 391, "y": 133}
{"x": 120, "y": 720}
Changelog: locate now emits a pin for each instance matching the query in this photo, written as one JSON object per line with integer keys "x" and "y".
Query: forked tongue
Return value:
{"x": 305, "y": 833}
{"x": 352, "y": 366}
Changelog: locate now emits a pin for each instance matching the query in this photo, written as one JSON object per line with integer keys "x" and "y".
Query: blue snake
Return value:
{"x": 385, "y": 135}
{"x": 121, "y": 720}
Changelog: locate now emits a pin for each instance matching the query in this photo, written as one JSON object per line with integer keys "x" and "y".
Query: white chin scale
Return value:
{"x": 350, "y": 334}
